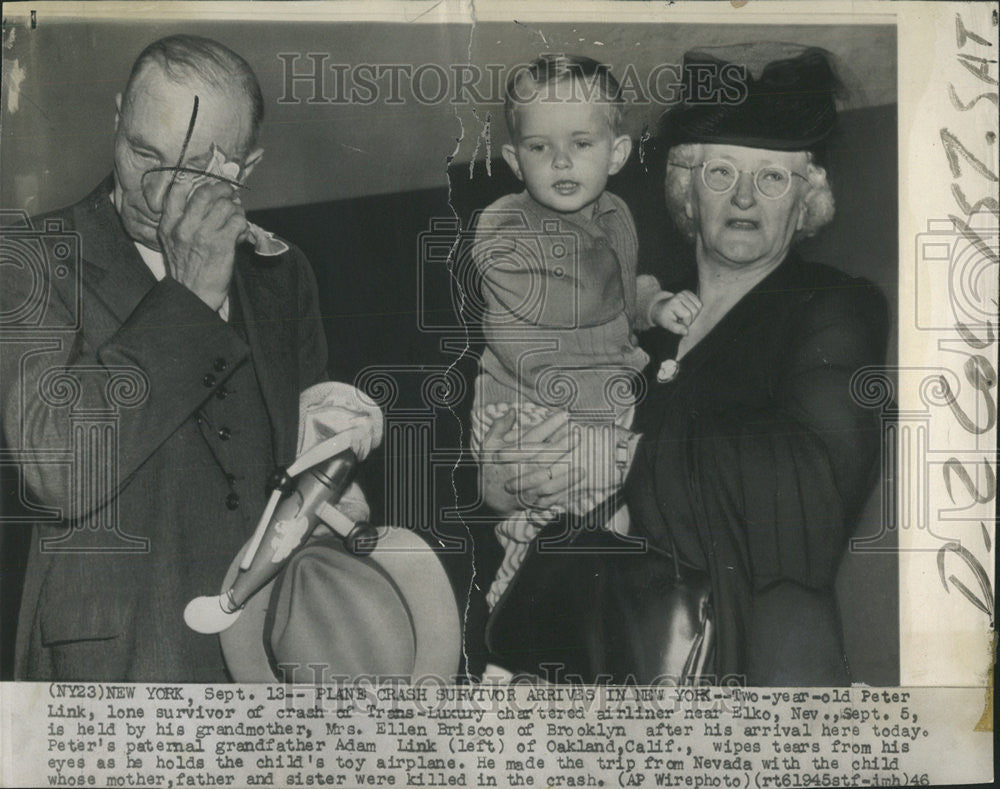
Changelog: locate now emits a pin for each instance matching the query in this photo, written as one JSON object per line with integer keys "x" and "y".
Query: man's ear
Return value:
{"x": 510, "y": 156}
{"x": 118, "y": 110}
{"x": 251, "y": 161}
{"x": 620, "y": 149}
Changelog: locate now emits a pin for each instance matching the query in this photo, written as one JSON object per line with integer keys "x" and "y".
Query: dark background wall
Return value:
{"x": 366, "y": 192}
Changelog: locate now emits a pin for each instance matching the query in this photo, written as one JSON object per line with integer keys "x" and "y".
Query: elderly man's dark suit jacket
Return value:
{"x": 203, "y": 408}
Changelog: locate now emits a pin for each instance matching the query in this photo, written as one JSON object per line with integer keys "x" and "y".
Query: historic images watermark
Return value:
{"x": 313, "y": 78}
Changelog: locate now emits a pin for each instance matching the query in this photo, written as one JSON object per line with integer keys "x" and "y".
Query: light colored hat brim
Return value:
{"x": 427, "y": 594}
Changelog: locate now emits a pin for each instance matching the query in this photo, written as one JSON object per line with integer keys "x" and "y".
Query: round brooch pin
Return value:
{"x": 668, "y": 371}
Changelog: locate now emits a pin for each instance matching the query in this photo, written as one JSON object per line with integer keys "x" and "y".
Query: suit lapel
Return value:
{"x": 267, "y": 304}
{"x": 115, "y": 273}
{"x": 113, "y": 269}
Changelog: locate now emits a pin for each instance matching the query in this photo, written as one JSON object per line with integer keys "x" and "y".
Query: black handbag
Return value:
{"x": 588, "y": 606}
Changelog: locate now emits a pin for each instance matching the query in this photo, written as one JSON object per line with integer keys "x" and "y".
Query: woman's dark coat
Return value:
{"x": 756, "y": 460}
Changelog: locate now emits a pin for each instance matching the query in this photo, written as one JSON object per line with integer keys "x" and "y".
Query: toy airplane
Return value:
{"x": 304, "y": 496}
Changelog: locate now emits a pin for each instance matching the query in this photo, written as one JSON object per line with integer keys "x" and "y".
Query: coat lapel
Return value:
{"x": 267, "y": 304}
{"x": 113, "y": 269}
{"x": 116, "y": 274}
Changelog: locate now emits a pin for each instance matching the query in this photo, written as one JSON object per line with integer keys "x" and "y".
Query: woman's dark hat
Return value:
{"x": 763, "y": 95}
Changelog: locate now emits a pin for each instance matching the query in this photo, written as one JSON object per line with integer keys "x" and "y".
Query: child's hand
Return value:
{"x": 678, "y": 312}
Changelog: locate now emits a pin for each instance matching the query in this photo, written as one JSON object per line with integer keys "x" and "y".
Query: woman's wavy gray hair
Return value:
{"x": 818, "y": 200}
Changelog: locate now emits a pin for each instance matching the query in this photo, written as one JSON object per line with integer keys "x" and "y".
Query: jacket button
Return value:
{"x": 222, "y": 393}
{"x": 208, "y": 381}
{"x": 224, "y": 433}
{"x": 232, "y": 501}
{"x": 220, "y": 365}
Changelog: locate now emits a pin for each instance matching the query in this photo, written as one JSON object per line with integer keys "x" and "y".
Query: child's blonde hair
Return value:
{"x": 549, "y": 70}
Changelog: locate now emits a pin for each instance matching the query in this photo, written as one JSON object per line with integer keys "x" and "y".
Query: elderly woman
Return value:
{"x": 754, "y": 460}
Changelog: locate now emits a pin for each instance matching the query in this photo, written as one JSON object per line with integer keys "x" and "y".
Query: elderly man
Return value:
{"x": 213, "y": 340}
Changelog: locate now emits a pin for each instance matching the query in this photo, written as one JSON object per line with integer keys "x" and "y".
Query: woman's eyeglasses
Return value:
{"x": 720, "y": 176}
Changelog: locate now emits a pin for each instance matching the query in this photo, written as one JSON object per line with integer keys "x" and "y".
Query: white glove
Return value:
{"x": 333, "y": 408}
